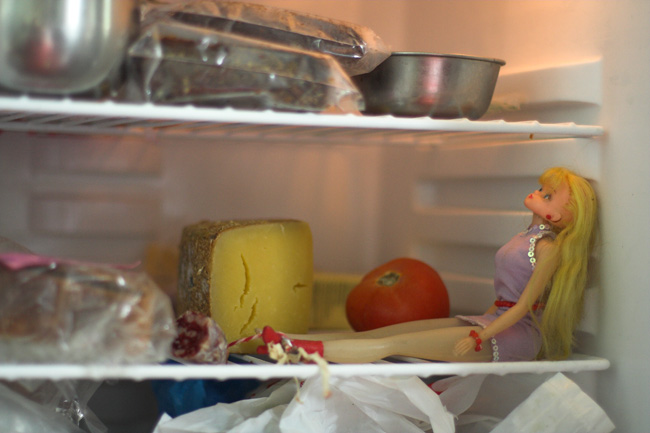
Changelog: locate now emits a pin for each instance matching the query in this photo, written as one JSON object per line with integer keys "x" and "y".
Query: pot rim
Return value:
{"x": 453, "y": 56}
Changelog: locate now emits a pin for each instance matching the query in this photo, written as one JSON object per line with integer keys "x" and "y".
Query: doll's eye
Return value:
{"x": 547, "y": 196}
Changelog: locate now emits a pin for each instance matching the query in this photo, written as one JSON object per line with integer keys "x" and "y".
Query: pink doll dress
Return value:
{"x": 514, "y": 264}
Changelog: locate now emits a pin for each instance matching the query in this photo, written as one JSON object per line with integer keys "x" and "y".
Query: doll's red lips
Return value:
{"x": 530, "y": 196}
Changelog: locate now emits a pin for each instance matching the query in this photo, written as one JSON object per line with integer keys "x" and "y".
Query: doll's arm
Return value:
{"x": 545, "y": 268}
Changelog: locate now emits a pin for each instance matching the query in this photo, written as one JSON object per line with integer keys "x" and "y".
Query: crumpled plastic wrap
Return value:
{"x": 55, "y": 311}
{"x": 472, "y": 404}
{"x": 357, "y": 48}
{"x": 558, "y": 405}
{"x": 37, "y": 406}
{"x": 176, "y": 63}
{"x": 521, "y": 403}
{"x": 356, "y": 404}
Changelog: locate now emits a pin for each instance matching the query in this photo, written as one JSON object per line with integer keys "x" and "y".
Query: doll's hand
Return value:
{"x": 464, "y": 345}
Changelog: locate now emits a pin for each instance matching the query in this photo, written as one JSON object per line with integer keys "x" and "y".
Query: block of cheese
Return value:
{"x": 247, "y": 274}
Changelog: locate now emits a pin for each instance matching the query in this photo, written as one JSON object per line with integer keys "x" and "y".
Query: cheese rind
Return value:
{"x": 248, "y": 274}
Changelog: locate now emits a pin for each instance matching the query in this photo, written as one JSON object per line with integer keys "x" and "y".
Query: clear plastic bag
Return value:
{"x": 176, "y": 63}
{"x": 54, "y": 311}
{"x": 38, "y": 406}
{"x": 357, "y": 48}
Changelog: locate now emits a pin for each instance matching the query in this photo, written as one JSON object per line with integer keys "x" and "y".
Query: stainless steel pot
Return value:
{"x": 62, "y": 46}
{"x": 428, "y": 84}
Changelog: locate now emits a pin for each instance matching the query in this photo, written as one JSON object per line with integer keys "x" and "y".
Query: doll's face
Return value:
{"x": 550, "y": 204}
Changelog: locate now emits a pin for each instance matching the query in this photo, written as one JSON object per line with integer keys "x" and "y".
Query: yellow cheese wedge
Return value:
{"x": 248, "y": 274}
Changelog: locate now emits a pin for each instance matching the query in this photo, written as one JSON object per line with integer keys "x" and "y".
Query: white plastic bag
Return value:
{"x": 558, "y": 405}
{"x": 365, "y": 404}
{"x": 405, "y": 404}
{"x": 458, "y": 393}
{"x": 521, "y": 403}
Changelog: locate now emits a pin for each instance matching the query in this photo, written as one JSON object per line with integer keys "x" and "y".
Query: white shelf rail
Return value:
{"x": 578, "y": 363}
{"x": 107, "y": 117}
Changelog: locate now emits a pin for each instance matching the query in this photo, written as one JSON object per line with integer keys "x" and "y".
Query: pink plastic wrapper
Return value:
{"x": 57, "y": 311}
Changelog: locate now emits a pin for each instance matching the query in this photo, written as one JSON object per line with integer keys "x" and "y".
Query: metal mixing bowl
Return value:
{"x": 426, "y": 84}
{"x": 62, "y": 46}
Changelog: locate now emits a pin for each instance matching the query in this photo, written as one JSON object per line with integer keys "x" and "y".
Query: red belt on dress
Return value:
{"x": 509, "y": 304}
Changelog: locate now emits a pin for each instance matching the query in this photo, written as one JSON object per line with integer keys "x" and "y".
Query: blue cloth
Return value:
{"x": 179, "y": 397}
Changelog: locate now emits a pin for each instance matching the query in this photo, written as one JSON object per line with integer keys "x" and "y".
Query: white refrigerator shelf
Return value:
{"x": 108, "y": 117}
{"x": 263, "y": 371}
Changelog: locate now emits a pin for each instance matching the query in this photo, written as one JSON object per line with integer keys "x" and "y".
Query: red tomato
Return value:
{"x": 401, "y": 290}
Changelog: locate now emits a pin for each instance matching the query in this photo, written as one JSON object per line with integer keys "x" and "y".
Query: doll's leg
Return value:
{"x": 398, "y": 329}
{"x": 435, "y": 344}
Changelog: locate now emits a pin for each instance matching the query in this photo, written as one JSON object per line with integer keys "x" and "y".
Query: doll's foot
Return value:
{"x": 269, "y": 335}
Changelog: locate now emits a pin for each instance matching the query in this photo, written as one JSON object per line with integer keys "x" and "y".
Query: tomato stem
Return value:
{"x": 388, "y": 279}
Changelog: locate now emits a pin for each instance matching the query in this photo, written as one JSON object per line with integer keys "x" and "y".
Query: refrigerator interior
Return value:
{"x": 448, "y": 192}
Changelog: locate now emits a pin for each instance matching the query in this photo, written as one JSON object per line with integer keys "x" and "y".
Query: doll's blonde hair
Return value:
{"x": 564, "y": 300}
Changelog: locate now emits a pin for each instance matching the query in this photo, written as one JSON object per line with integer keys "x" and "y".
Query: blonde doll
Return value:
{"x": 540, "y": 278}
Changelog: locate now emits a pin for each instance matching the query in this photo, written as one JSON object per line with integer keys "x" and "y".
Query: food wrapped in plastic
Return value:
{"x": 200, "y": 340}
{"x": 178, "y": 63}
{"x": 357, "y": 48}
{"x": 56, "y": 311}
